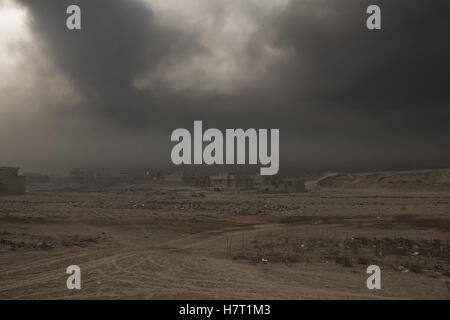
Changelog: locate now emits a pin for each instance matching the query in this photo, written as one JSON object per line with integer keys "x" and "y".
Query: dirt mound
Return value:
{"x": 438, "y": 179}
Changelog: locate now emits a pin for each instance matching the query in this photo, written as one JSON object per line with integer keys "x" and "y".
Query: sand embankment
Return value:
{"x": 437, "y": 179}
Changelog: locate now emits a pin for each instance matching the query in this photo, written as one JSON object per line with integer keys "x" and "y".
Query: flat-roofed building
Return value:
{"x": 230, "y": 180}
{"x": 10, "y": 181}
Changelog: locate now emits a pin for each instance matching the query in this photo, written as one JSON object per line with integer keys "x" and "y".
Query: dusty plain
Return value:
{"x": 156, "y": 241}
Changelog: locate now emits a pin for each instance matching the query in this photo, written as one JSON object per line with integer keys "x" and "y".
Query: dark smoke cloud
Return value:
{"x": 119, "y": 39}
{"x": 341, "y": 95}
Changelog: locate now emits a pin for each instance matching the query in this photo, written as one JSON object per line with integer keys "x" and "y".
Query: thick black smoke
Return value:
{"x": 342, "y": 95}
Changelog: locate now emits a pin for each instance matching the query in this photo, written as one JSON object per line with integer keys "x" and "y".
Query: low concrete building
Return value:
{"x": 223, "y": 180}
{"x": 175, "y": 177}
{"x": 78, "y": 176}
{"x": 201, "y": 181}
{"x": 187, "y": 179}
{"x": 260, "y": 180}
{"x": 243, "y": 181}
{"x": 296, "y": 185}
{"x": 229, "y": 180}
{"x": 10, "y": 181}
{"x": 283, "y": 186}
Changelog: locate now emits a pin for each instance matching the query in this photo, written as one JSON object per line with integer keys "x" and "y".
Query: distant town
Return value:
{"x": 11, "y": 182}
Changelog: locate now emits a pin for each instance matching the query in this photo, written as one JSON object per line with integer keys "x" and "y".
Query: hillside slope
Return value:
{"x": 438, "y": 179}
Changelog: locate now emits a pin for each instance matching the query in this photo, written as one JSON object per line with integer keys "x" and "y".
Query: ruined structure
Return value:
{"x": 10, "y": 181}
{"x": 187, "y": 179}
{"x": 175, "y": 177}
{"x": 223, "y": 180}
{"x": 229, "y": 180}
{"x": 280, "y": 185}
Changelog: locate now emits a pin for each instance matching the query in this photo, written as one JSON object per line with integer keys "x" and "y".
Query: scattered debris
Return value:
{"x": 402, "y": 269}
{"x": 22, "y": 241}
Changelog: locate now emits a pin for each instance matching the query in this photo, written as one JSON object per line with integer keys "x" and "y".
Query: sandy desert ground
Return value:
{"x": 156, "y": 241}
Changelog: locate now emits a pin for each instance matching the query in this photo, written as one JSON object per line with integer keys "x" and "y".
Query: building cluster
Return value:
{"x": 10, "y": 181}
{"x": 104, "y": 177}
{"x": 224, "y": 181}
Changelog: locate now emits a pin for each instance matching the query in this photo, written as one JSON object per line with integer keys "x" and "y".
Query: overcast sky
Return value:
{"x": 112, "y": 93}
